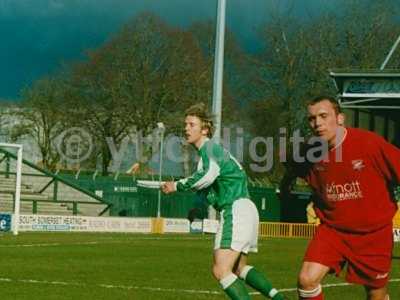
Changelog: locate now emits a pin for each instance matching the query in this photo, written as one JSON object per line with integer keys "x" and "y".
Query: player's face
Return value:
{"x": 324, "y": 121}
{"x": 193, "y": 131}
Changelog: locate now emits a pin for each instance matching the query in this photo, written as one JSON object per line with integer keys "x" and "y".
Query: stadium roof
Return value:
{"x": 372, "y": 89}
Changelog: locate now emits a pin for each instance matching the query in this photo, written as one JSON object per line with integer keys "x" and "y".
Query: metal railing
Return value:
{"x": 287, "y": 230}
{"x": 53, "y": 182}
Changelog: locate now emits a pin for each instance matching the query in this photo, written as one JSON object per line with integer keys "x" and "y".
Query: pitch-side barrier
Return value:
{"x": 34, "y": 222}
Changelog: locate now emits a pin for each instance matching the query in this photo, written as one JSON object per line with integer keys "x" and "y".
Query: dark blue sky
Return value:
{"x": 40, "y": 35}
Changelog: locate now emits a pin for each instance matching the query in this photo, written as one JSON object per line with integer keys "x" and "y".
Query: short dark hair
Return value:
{"x": 331, "y": 99}
{"x": 200, "y": 111}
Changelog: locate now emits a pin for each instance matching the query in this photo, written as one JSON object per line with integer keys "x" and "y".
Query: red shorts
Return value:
{"x": 368, "y": 255}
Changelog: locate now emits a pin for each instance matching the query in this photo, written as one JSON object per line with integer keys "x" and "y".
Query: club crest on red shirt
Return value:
{"x": 358, "y": 164}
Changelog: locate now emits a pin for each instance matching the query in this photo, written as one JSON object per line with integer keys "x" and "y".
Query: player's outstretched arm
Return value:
{"x": 201, "y": 179}
{"x": 168, "y": 187}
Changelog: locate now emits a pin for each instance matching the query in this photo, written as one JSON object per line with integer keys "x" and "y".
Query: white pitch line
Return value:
{"x": 329, "y": 285}
{"x": 109, "y": 286}
{"x": 155, "y": 289}
{"x": 47, "y": 245}
{"x": 111, "y": 241}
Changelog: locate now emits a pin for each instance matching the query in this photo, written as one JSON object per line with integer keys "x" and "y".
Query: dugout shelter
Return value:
{"x": 371, "y": 100}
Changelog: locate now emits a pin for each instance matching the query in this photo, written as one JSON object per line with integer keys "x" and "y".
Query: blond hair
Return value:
{"x": 200, "y": 111}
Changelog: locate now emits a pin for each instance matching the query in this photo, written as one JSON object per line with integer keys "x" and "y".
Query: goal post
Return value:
{"x": 18, "y": 172}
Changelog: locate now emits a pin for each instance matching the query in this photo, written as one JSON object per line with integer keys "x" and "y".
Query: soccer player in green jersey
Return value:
{"x": 224, "y": 181}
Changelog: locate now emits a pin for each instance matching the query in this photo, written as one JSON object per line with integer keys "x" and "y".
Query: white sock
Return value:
{"x": 244, "y": 272}
{"x": 227, "y": 280}
{"x": 310, "y": 293}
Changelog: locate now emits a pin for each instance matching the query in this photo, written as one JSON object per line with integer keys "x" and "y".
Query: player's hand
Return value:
{"x": 168, "y": 187}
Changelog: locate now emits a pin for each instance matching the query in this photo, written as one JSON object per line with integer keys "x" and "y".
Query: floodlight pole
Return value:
{"x": 161, "y": 128}
{"x": 219, "y": 68}
{"x": 390, "y": 53}
{"x": 218, "y": 79}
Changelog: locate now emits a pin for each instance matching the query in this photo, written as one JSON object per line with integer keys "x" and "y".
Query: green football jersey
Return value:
{"x": 219, "y": 174}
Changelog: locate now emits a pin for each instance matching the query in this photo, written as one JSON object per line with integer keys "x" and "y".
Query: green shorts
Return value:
{"x": 238, "y": 227}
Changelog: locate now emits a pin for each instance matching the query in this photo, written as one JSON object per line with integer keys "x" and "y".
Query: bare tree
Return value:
{"x": 148, "y": 72}
{"x": 40, "y": 117}
{"x": 298, "y": 55}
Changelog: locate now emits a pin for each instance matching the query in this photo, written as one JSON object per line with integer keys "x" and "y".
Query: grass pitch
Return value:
{"x": 89, "y": 266}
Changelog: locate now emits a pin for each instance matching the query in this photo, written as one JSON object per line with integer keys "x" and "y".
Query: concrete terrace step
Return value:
{"x": 24, "y": 195}
{"x": 91, "y": 209}
{"x": 42, "y": 207}
{"x": 11, "y": 188}
{"x": 11, "y": 183}
{"x": 29, "y": 191}
{"x": 53, "y": 207}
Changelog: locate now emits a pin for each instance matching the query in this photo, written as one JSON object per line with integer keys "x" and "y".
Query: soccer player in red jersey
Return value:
{"x": 353, "y": 184}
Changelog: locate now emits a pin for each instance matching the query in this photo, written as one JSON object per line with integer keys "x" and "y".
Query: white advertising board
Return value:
{"x": 83, "y": 224}
{"x": 176, "y": 225}
{"x": 196, "y": 226}
{"x": 396, "y": 234}
{"x": 210, "y": 226}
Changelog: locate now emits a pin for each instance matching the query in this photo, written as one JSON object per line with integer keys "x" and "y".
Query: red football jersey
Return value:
{"x": 354, "y": 183}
